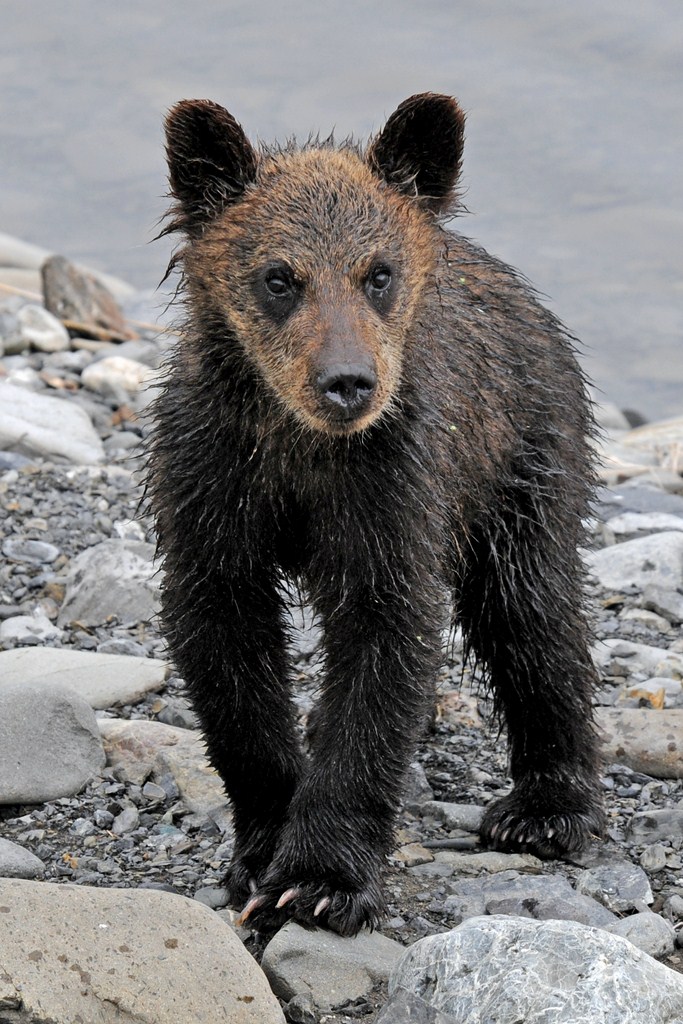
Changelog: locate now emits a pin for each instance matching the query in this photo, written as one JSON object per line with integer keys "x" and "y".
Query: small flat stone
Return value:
{"x": 330, "y": 968}
{"x": 16, "y": 862}
{"x": 126, "y": 820}
{"x": 40, "y": 330}
{"x": 28, "y": 629}
{"x": 464, "y": 816}
{"x": 106, "y": 376}
{"x": 653, "y": 858}
{"x": 658, "y": 823}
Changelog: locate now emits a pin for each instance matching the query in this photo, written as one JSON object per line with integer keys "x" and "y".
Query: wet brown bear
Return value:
{"x": 372, "y": 407}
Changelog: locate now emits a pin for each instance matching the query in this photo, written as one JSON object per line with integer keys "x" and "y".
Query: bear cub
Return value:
{"x": 367, "y": 405}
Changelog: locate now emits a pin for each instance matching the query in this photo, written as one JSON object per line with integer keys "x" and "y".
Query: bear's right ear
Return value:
{"x": 210, "y": 161}
{"x": 419, "y": 150}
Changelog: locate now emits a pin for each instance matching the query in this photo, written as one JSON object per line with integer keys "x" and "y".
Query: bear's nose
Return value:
{"x": 348, "y": 386}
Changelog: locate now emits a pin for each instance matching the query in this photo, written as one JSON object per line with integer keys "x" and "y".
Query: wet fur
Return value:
{"x": 467, "y": 479}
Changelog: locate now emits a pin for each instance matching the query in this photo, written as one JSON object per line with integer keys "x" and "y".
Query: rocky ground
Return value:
{"x": 103, "y": 782}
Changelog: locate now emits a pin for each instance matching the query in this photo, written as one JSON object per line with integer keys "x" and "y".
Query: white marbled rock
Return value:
{"x": 509, "y": 969}
{"x": 50, "y": 745}
{"x": 103, "y": 680}
{"x": 123, "y": 956}
{"x": 34, "y": 424}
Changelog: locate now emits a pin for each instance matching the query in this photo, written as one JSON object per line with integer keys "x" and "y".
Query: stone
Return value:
{"x": 328, "y": 967}
{"x": 645, "y": 499}
{"x": 126, "y": 820}
{"x": 620, "y": 885}
{"x": 28, "y": 629}
{"x": 642, "y": 522}
{"x": 658, "y": 823}
{"x": 624, "y": 658}
{"x": 16, "y": 253}
{"x": 83, "y": 301}
{"x": 656, "y": 560}
{"x": 662, "y": 435}
{"x": 464, "y": 816}
{"x": 542, "y": 897}
{"x": 33, "y": 552}
{"x": 668, "y": 603}
{"x": 123, "y": 956}
{"x": 648, "y": 932}
{"x": 510, "y": 970}
{"x": 653, "y": 858}
{"x": 141, "y": 748}
{"x": 16, "y": 862}
{"x": 448, "y": 862}
{"x": 27, "y": 426}
{"x": 39, "y": 329}
{"x": 107, "y": 376}
{"x": 647, "y": 741}
{"x": 103, "y": 680}
{"x": 113, "y": 578}
{"x": 50, "y": 745}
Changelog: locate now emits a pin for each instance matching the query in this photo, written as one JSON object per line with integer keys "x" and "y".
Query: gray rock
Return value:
{"x": 16, "y": 862}
{"x": 212, "y": 896}
{"x": 36, "y": 328}
{"x": 27, "y": 426}
{"x": 659, "y": 823}
{"x": 416, "y": 789}
{"x": 622, "y": 657}
{"x": 510, "y": 970}
{"x": 50, "y": 745}
{"x": 650, "y": 561}
{"x": 667, "y": 603}
{"x": 126, "y": 820}
{"x": 116, "y": 578}
{"x": 644, "y": 522}
{"x": 542, "y": 897}
{"x": 103, "y": 680}
{"x": 28, "y": 629}
{"x": 16, "y": 253}
{"x": 118, "y": 956}
{"x": 447, "y": 862}
{"x": 647, "y": 741}
{"x": 330, "y": 968}
{"x": 33, "y": 552}
{"x": 620, "y": 885}
{"x": 648, "y": 932}
{"x": 179, "y": 714}
{"x": 465, "y": 816}
{"x": 653, "y": 858}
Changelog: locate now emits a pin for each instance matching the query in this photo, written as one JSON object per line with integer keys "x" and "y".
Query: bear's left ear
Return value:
{"x": 419, "y": 150}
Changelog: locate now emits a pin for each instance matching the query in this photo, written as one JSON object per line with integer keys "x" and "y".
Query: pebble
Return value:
{"x": 648, "y": 741}
{"x": 653, "y": 561}
{"x": 108, "y": 376}
{"x": 648, "y": 932}
{"x": 16, "y": 862}
{"x": 653, "y": 858}
{"x": 463, "y": 816}
{"x": 28, "y": 629}
{"x": 35, "y": 552}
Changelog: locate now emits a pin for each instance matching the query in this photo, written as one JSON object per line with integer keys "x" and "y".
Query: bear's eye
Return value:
{"x": 379, "y": 278}
{"x": 279, "y": 283}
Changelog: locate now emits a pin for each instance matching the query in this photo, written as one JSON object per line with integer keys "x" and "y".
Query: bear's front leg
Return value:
{"x": 227, "y": 636}
{"x": 382, "y": 649}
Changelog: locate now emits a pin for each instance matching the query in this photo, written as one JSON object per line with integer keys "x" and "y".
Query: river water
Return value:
{"x": 573, "y": 165}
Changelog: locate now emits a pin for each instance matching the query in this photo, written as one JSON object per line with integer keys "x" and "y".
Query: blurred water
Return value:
{"x": 573, "y": 160}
